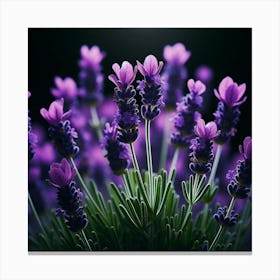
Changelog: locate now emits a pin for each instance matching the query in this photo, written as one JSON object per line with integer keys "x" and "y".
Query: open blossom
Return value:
{"x": 151, "y": 67}
{"x": 246, "y": 149}
{"x": 124, "y": 75}
{"x": 197, "y": 87}
{"x": 66, "y": 88}
{"x": 176, "y": 54}
{"x": 61, "y": 174}
{"x": 55, "y": 113}
{"x": 91, "y": 57}
{"x": 208, "y": 131}
{"x": 230, "y": 92}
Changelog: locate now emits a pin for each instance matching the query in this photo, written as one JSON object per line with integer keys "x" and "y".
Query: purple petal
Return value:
{"x": 116, "y": 68}
{"x": 241, "y": 90}
{"x": 126, "y": 73}
{"x": 224, "y": 84}
{"x": 141, "y": 68}
{"x": 151, "y": 65}
{"x": 113, "y": 79}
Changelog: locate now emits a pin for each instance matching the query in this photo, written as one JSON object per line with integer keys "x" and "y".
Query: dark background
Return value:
{"x": 55, "y": 52}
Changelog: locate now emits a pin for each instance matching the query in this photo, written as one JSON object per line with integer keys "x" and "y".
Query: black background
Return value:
{"x": 55, "y": 52}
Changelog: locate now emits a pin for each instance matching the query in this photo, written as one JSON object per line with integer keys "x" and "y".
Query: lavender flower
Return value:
{"x": 240, "y": 185}
{"x": 68, "y": 195}
{"x": 60, "y": 131}
{"x": 117, "y": 153}
{"x": 32, "y": 138}
{"x": 187, "y": 114}
{"x": 204, "y": 73}
{"x": 201, "y": 155}
{"x": 66, "y": 88}
{"x": 223, "y": 220}
{"x": 127, "y": 116}
{"x": 150, "y": 87}
{"x": 227, "y": 114}
{"x": 91, "y": 78}
{"x": 174, "y": 74}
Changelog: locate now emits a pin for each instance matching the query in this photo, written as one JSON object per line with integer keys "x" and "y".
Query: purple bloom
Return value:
{"x": 55, "y": 113}
{"x": 90, "y": 76}
{"x": 222, "y": 218}
{"x": 125, "y": 75}
{"x": 91, "y": 58}
{"x": 230, "y": 93}
{"x": 204, "y": 73}
{"x": 150, "y": 87}
{"x": 246, "y": 149}
{"x": 208, "y": 131}
{"x": 66, "y": 88}
{"x": 151, "y": 67}
{"x": 240, "y": 185}
{"x": 32, "y": 137}
{"x": 61, "y": 174}
{"x": 228, "y": 113}
{"x": 176, "y": 54}
{"x": 196, "y": 87}
{"x": 117, "y": 153}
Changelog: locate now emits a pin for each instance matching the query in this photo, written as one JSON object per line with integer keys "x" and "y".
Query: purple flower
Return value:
{"x": 204, "y": 73}
{"x": 208, "y": 131}
{"x": 125, "y": 75}
{"x": 196, "y": 87}
{"x": 91, "y": 57}
{"x": 61, "y": 174}
{"x": 66, "y": 88}
{"x": 151, "y": 67}
{"x": 55, "y": 113}
{"x": 117, "y": 153}
{"x": 246, "y": 149}
{"x": 176, "y": 54}
{"x": 230, "y": 92}
{"x": 224, "y": 220}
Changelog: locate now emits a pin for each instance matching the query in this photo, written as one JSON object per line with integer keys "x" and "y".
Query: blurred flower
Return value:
{"x": 117, "y": 153}
{"x": 207, "y": 132}
{"x": 91, "y": 57}
{"x": 246, "y": 149}
{"x": 204, "y": 73}
{"x": 176, "y": 54}
{"x": 196, "y": 87}
{"x": 32, "y": 137}
{"x": 66, "y": 88}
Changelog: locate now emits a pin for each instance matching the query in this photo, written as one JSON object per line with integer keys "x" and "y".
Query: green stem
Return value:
{"x": 164, "y": 145}
{"x": 215, "y": 165}
{"x": 173, "y": 163}
{"x": 36, "y": 214}
{"x": 187, "y": 216}
{"x": 149, "y": 157}
{"x": 231, "y": 205}
{"x": 204, "y": 217}
{"x": 134, "y": 159}
{"x": 96, "y": 122}
{"x": 85, "y": 238}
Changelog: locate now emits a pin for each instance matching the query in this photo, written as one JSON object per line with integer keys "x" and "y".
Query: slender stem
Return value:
{"x": 173, "y": 163}
{"x": 187, "y": 216}
{"x": 216, "y": 238}
{"x": 231, "y": 205}
{"x": 164, "y": 145}
{"x": 215, "y": 164}
{"x": 127, "y": 189}
{"x": 96, "y": 122}
{"x": 36, "y": 214}
{"x": 149, "y": 157}
{"x": 134, "y": 159}
{"x": 85, "y": 238}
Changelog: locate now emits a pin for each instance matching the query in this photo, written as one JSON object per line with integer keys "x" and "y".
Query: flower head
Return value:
{"x": 204, "y": 73}
{"x": 230, "y": 92}
{"x": 91, "y": 57}
{"x": 246, "y": 149}
{"x": 55, "y": 113}
{"x": 225, "y": 220}
{"x": 196, "y": 87}
{"x": 208, "y": 131}
{"x": 176, "y": 54}
{"x": 124, "y": 75}
{"x": 61, "y": 174}
{"x": 66, "y": 88}
{"x": 151, "y": 67}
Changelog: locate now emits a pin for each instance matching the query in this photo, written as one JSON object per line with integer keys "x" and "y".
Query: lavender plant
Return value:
{"x": 142, "y": 209}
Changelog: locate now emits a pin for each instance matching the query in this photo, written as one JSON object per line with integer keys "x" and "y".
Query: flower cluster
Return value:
{"x": 187, "y": 113}
{"x": 227, "y": 115}
{"x": 201, "y": 155}
{"x": 32, "y": 138}
{"x": 240, "y": 185}
{"x": 91, "y": 78}
{"x": 174, "y": 74}
{"x": 60, "y": 131}
{"x": 127, "y": 117}
{"x": 68, "y": 195}
{"x": 225, "y": 220}
{"x": 65, "y": 88}
{"x": 150, "y": 87}
{"x": 117, "y": 153}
